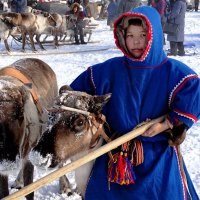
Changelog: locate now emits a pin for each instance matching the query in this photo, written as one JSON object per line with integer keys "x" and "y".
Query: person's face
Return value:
{"x": 136, "y": 40}
{"x": 75, "y": 9}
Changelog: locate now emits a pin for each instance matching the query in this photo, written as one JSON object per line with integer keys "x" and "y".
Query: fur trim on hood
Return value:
{"x": 75, "y": 5}
{"x": 153, "y": 54}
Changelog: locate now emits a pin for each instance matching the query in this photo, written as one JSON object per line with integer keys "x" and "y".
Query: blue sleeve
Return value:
{"x": 84, "y": 82}
{"x": 185, "y": 101}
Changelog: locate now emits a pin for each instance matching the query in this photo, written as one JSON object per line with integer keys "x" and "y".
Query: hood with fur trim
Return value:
{"x": 154, "y": 54}
{"x": 75, "y": 5}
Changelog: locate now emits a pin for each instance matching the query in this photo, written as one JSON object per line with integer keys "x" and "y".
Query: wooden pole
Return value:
{"x": 89, "y": 157}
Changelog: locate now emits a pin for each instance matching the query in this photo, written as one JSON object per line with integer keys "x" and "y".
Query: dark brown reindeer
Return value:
{"x": 27, "y": 88}
{"x": 31, "y": 25}
{"x": 71, "y": 135}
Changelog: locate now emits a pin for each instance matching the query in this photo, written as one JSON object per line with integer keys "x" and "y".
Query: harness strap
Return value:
{"x": 10, "y": 71}
{"x": 100, "y": 132}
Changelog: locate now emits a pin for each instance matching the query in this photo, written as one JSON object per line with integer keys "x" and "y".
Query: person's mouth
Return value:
{"x": 137, "y": 50}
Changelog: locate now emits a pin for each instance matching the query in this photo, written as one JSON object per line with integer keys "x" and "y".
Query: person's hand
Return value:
{"x": 156, "y": 129}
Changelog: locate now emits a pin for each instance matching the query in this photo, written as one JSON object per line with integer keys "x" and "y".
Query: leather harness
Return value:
{"x": 94, "y": 120}
{"x": 10, "y": 71}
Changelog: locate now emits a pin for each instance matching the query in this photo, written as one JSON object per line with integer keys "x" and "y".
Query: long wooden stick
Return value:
{"x": 89, "y": 157}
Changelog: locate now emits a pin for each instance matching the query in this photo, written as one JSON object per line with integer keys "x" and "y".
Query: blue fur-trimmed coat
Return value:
{"x": 146, "y": 88}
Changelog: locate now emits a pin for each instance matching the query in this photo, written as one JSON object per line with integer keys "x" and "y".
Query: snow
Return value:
{"x": 68, "y": 66}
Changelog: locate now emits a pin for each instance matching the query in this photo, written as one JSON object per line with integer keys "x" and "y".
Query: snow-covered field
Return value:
{"x": 68, "y": 65}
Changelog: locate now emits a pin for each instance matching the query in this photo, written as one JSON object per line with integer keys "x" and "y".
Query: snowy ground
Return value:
{"x": 67, "y": 66}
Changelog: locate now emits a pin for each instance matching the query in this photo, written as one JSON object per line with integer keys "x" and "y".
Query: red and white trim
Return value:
{"x": 187, "y": 115}
{"x": 92, "y": 78}
{"x": 149, "y": 35}
{"x": 182, "y": 180}
{"x": 179, "y": 86}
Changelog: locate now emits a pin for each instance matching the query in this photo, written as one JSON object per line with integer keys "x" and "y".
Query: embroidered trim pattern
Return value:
{"x": 173, "y": 94}
{"x": 182, "y": 182}
{"x": 187, "y": 115}
{"x": 92, "y": 79}
{"x": 150, "y": 35}
{"x": 179, "y": 85}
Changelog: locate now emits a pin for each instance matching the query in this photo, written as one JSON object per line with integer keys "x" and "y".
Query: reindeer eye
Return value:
{"x": 79, "y": 124}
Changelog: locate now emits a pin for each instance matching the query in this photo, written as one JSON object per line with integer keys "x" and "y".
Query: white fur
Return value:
{"x": 82, "y": 174}
{"x": 8, "y": 167}
{"x": 38, "y": 160}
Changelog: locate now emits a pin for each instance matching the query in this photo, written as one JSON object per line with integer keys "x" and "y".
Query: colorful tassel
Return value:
{"x": 120, "y": 169}
{"x": 135, "y": 152}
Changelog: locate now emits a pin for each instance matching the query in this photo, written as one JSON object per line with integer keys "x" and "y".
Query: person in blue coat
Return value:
{"x": 19, "y": 6}
{"x": 145, "y": 84}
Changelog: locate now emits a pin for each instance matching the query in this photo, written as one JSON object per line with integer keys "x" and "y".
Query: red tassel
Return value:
{"x": 121, "y": 165}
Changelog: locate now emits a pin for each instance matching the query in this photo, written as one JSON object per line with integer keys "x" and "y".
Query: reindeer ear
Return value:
{"x": 100, "y": 101}
{"x": 64, "y": 89}
{"x": 103, "y": 99}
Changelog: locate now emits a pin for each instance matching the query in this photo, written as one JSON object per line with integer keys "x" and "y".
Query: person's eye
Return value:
{"x": 144, "y": 35}
{"x": 129, "y": 36}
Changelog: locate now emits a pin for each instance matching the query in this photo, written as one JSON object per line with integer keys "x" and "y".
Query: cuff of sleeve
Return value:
{"x": 174, "y": 118}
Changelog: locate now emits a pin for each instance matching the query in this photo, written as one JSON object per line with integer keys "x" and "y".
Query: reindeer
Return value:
{"x": 70, "y": 32}
{"x": 27, "y": 89}
{"x": 6, "y": 29}
{"x": 71, "y": 134}
{"x": 64, "y": 25}
{"x": 30, "y": 24}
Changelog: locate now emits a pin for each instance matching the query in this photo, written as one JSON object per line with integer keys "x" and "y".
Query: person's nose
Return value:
{"x": 136, "y": 41}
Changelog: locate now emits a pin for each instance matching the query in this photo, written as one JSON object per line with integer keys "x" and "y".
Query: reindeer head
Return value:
{"x": 70, "y": 132}
{"x": 12, "y": 18}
